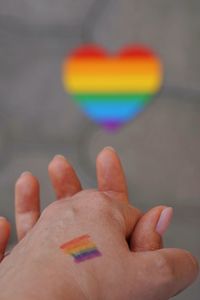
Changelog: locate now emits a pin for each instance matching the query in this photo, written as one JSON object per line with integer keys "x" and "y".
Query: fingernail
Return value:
{"x": 109, "y": 148}
{"x": 3, "y": 218}
{"x": 60, "y": 156}
{"x": 164, "y": 220}
{"x": 25, "y": 173}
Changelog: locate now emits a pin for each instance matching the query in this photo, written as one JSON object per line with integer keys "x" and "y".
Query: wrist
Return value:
{"x": 46, "y": 278}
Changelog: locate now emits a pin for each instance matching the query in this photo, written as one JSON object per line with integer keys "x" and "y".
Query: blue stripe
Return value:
{"x": 112, "y": 111}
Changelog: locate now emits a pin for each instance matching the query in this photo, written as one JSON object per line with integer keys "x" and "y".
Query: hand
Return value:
{"x": 110, "y": 221}
{"x": 66, "y": 183}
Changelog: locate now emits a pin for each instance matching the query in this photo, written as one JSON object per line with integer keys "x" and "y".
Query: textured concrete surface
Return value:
{"x": 170, "y": 27}
{"x": 159, "y": 150}
{"x": 47, "y": 12}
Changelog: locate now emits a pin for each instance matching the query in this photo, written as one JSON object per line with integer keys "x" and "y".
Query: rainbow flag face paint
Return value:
{"x": 112, "y": 90}
{"x": 81, "y": 249}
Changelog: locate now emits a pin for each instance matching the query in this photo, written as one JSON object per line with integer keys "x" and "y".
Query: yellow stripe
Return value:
{"x": 108, "y": 83}
{"x": 82, "y": 243}
{"x": 112, "y": 66}
{"x": 81, "y": 248}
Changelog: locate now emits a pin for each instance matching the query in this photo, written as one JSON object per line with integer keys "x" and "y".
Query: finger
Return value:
{"x": 27, "y": 203}
{"x": 167, "y": 272}
{"x": 150, "y": 229}
{"x": 4, "y": 236}
{"x": 63, "y": 177}
{"x": 110, "y": 174}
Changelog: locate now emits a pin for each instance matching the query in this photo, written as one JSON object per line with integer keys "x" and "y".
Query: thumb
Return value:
{"x": 168, "y": 271}
{"x": 149, "y": 230}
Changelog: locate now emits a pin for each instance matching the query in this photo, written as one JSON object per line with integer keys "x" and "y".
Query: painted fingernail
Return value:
{"x": 164, "y": 220}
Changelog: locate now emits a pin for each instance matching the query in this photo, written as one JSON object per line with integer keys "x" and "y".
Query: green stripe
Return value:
{"x": 87, "y": 250}
{"x": 144, "y": 98}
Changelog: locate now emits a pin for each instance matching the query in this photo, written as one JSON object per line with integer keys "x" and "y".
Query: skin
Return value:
{"x": 66, "y": 183}
{"x": 121, "y": 232}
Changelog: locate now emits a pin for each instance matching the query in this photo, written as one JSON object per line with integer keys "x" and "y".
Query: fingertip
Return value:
{"x": 63, "y": 177}
{"x": 60, "y": 156}
{"x": 157, "y": 219}
{"x": 105, "y": 153}
{"x": 21, "y": 178}
{"x": 5, "y": 229}
{"x": 52, "y": 161}
{"x": 26, "y": 176}
{"x": 25, "y": 173}
{"x": 151, "y": 228}
{"x": 27, "y": 199}
{"x": 4, "y": 222}
{"x": 4, "y": 235}
{"x": 110, "y": 173}
{"x": 164, "y": 220}
{"x": 58, "y": 162}
{"x": 26, "y": 184}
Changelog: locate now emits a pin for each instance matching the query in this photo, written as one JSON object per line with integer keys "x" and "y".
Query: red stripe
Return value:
{"x": 137, "y": 51}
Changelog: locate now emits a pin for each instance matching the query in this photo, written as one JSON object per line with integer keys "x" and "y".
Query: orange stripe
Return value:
{"x": 79, "y": 248}
{"x": 75, "y": 241}
{"x": 128, "y": 66}
{"x": 83, "y": 243}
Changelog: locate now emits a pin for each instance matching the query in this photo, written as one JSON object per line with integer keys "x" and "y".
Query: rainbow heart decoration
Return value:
{"x": 112, "y": 90}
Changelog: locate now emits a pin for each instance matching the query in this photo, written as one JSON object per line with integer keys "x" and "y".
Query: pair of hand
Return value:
{"x": 67, "y": 184}
{"x": 133, "y": 265}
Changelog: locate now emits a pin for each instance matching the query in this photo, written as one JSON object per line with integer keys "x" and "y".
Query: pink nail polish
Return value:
{"x": 164, "y": 220}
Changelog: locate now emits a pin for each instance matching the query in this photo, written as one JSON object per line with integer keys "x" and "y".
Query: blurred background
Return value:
{"x": 160, "y": 150}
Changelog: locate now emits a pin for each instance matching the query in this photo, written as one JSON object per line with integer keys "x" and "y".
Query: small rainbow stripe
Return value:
{"x": 81, "y": 248}
{"x": 112, "y": 89}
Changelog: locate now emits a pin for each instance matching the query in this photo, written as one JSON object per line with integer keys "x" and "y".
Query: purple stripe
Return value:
{"x": 86, "y": 256}
{"x": 111, "y": 126}
{"x": 85, "y": 253}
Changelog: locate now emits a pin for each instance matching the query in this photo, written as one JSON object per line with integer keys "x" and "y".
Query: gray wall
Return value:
{"x": 160, "y": 149}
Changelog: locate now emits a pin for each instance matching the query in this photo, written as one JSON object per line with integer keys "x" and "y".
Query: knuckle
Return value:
{"x": 90, "y": 204}
{"x": 106, "y": 208}
{"x": 96, "y": 202}
{"x": 59, "y": 212}
{"x": 102, "y": 203}
{"x": 50, "y": 209}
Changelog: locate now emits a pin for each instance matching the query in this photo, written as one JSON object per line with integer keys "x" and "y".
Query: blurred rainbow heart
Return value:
{"x": 112, "y": 90}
